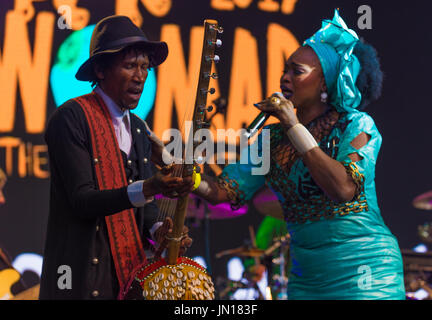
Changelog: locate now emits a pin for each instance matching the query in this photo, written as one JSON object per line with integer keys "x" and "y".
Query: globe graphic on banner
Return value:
{"x": 72, "y": 53}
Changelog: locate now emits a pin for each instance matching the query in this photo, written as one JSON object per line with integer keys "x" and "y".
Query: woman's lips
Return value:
{"x": 287, "y": 93}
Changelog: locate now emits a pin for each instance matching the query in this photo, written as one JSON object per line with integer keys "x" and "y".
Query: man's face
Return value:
{"x": 123, "y": 81}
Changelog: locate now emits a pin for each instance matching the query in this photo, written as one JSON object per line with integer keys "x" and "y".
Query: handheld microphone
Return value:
{"x": 257, "y": 124}
{"x": 262, "y": 117}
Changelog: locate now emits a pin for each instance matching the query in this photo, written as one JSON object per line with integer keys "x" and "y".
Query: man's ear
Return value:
{"x": 99, "y": 72}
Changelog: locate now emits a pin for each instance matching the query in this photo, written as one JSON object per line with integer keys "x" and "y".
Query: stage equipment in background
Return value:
{"x": 418, "y": 265}
{"x": 275, "y": 254}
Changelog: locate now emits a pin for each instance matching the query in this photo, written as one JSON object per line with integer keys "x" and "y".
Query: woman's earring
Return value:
{"x": 324, "y": 97}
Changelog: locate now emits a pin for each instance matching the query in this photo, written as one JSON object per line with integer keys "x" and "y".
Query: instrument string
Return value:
{"x": 168, "y": 205}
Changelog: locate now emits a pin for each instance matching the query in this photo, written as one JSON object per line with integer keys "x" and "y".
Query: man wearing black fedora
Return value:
{"x": 102, "y": 210}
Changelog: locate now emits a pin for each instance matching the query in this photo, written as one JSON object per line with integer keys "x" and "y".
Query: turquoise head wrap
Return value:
{"x": 334, "y": 44}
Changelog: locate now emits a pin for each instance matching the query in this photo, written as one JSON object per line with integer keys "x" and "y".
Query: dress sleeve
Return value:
{"x": 242, "y": 179}
{"x": 364, "y": 169}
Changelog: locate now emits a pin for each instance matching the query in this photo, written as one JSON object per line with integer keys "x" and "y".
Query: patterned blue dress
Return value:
{"x": 338, "y": 250}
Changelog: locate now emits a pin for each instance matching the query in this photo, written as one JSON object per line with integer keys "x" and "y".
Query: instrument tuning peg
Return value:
{"x": 204, "y": 108}
{"x": 203, "y": 124}
{"x": 211, "y": 91}
{"x": 219, "y": 29}
{"x": 212, "y": 75}
{"x": 216, "y": 43}
{"x": 215, "y": 58}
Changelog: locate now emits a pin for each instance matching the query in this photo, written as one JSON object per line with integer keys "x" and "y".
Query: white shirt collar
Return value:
{"x": 115, "y": 111}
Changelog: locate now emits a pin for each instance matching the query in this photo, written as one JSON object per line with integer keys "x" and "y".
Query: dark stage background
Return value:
{"x": 403, "y": 113}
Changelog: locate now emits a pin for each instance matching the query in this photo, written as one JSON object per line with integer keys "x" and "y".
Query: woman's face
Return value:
{"x": 302, "y": 80}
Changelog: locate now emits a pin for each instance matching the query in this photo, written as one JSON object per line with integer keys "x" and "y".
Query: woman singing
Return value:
{"x": 322, "y": 170}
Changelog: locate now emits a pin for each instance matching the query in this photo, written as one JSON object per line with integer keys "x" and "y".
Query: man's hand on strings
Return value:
{"x": 166, "y": 182}
{"x": 182, "y": 185}
{"x": 164, "y": 233}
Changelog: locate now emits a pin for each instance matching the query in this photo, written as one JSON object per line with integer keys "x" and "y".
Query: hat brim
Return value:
{"x": 157, "y": 51}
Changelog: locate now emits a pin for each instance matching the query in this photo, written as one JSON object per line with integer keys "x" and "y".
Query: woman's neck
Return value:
{"x": 308, "y": 114}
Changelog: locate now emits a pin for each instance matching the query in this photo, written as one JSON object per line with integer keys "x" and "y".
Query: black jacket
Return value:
{"x": 77, "y": 234}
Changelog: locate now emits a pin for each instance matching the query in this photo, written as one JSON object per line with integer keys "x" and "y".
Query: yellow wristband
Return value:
{"x": 197, "y": 179}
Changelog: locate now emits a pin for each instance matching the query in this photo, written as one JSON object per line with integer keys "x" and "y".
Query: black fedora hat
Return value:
{"x": 114, "y": 33}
